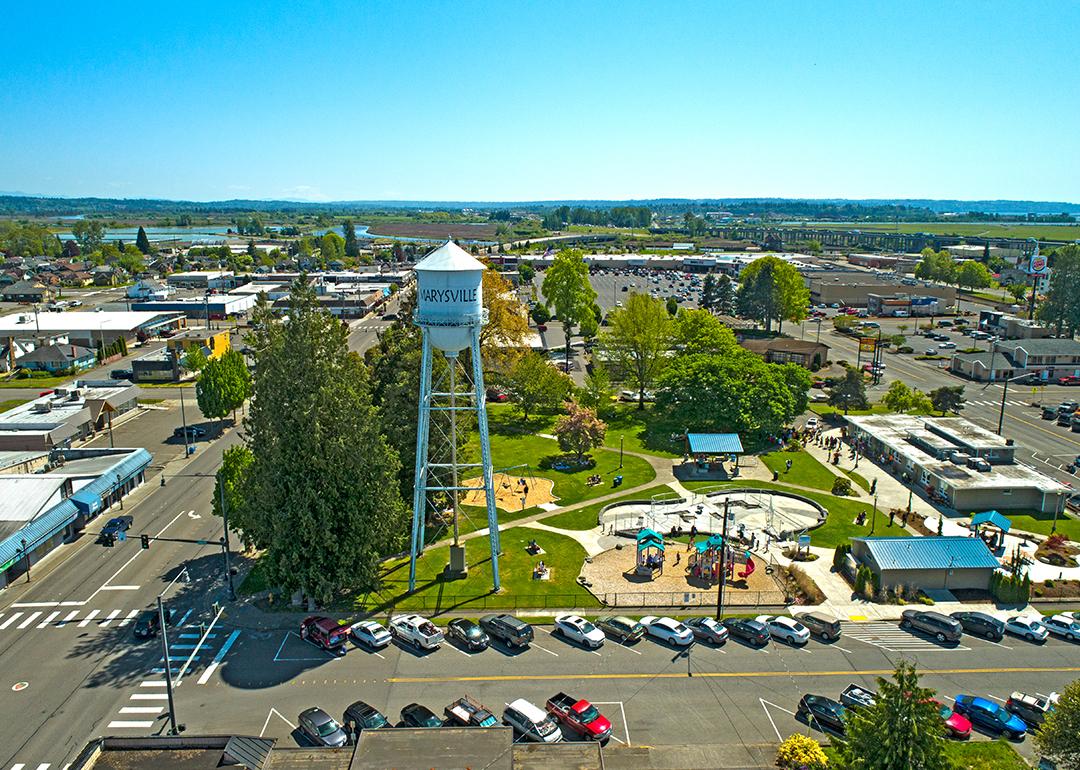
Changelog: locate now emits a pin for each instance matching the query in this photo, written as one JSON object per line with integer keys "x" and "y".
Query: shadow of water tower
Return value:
{"x": 450, "y": 314}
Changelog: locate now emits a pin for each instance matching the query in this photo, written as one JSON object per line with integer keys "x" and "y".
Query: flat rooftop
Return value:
{"x": 83, "y": 321}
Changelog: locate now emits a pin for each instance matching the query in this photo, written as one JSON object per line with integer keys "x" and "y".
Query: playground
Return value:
{"x": 512, "y": 493}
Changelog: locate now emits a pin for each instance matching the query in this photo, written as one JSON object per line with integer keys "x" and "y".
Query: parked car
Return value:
{"x": 941, "y": 627}
{"x": 1049, "y": 413}
{"x": 1063, "y": 626}
{"x": 981, "y": 624}
{"x": 120, "y": 374}
{"x": 820, "y": 625}
{"x": 507, "y": 629}
{"x": 416, "y": 630}
{"x": 193, "y": 432}
{"x": 468, "y": 633}
{"x": 750, "y": 631}
{"x": 856, "y": 697}
{"x": 785, "y": 629}
{"x": 667, "y": 630}
{"x": 360, "y": 716}
{"x": 321, "y": 729}
{"x": 991, "y": 717}
{"x": 620, "y": 628}
{"x": 325, "y": 632}
{"x": 577, "y": 629}
{"x": 148, "y": 623}
{"x": 706, "y": 629}
{"x": 1068, "y": 406}
{"x": 531, "y": 722}
{"x": 1069, "y": 380}
{"x": 1064, "y": 419}
{"x": 417, "y": 715}
{"x": 371, "y": 634}
{"x": 113, "y": 527}
{"x": 957, "y": 725}
{"x": 579, "y": 716}
{"x": 497, "y": 395}
{"x": 822, "y": 712}
{"x": 1031, "y": 708}
{"x": 469, "y": 713}
{"x": 1030, "y": 628}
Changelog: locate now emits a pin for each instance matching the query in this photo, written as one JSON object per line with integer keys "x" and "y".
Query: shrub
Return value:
{"x": 806, "y": 587}
{"x": 839, "y": 554}
{"x": 793, "y": 445}
{"x": 841, "y": 487}
{"x": 22, "y": 374}
{"x": 801, "y": 751}
{"x": 1048, "y": 583}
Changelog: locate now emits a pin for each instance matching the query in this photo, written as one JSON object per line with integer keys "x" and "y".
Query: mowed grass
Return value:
{"x": 1040, "y": 523}
{"x": 586, "y": 517}
{"x": 988, "y": 229}
{"x": 806, "y": 470}
{"x": 840, "y": 525}
{"x": 562, "y": 555}
{"x": 971, "y": 755}
{"x": 11, "y": 403}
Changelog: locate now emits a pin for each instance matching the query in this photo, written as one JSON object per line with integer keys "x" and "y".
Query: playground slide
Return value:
{"x": 750, "y": 566}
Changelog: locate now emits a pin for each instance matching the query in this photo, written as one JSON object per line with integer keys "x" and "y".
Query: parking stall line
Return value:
{"x": 627, "y": 648}
{"x": 549, "y": 652}
{"x": 49, "y": 619}
{"x": 30, "y": 619}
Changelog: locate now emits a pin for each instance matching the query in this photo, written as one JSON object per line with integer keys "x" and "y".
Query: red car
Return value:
{"x": 326, "y": 633}
{"x": 1070, "y": 380}
{"x": 958, "y": 726}
{"x": 580, "y": 716}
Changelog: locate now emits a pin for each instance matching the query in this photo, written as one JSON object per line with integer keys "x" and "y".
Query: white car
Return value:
{"x": 947, "y": 345}
{"x": 370, "y": 633}
{"x": 577, "y": 629}
{"x": 667, "y": 630}
{"x": 785, "y": 629}
{"x": 1028, "y": 627}
{"x": 813, "y": 422}
{"x": 1064, "y": 626}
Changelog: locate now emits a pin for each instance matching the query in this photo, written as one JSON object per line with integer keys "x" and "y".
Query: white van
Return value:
{"x": 531, "y": 722}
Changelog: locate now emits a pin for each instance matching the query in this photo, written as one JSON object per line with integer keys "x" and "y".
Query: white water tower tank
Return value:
{"x": 449, "y": 296}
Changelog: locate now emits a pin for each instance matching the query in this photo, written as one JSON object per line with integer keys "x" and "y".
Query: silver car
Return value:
{"x": 322, "y": 729}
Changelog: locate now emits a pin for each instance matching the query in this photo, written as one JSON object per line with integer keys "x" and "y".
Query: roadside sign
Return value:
{"x": 867, "y": 344}
{"x": 804, "y": 540}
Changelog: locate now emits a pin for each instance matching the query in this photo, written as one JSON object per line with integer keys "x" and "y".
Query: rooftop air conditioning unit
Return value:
{"x": 42, "y": 407}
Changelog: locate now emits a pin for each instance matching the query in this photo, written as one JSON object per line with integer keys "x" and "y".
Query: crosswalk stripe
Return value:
{"x": 142, "y": 709}
{"x": 71, "y": 616}
{"x": 153, "y": 683}
{"x": 86, "y": 621}
{"x": 32, "y": 617}
{"x": 118, "y": 723}
{"x": 43, "y": 766}
{"x": 10, "y": 620}
{"x": 149, "y": 696}
{"x": 130, "y": 617}
{"x": 19, "y": 766}
{"x": 49, "y": 619}
{"x": 112, "y": 616}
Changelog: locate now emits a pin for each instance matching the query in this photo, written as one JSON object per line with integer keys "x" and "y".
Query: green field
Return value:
{"x": 973, "y": 755}
{"x": 978, "y": 229}
{"x": 805, "y": 471}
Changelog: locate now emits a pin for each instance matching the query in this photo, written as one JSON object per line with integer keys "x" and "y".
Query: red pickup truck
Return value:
{"x": 326, "y": 633}
{"x": 580, "y": 716}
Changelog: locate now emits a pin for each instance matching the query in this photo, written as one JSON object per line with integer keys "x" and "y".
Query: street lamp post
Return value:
{"x": 26, "y": 558}
{"x": 873, "y": 516}
{"x": 1004, "y": 391}
{"x": 225, "y": 547}
{"x": 723, "y": 564}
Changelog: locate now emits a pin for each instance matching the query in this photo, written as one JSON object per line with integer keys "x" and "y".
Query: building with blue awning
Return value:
{"x": 40, "y": 511}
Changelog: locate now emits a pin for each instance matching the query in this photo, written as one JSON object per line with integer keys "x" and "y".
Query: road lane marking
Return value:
{"x": 112, "y": 616}
{"x": 120, "y": 588}
{"x": 10, "y": 620}
{"x": 725, "y": 674}
{"x": 49, "y": 619}
{"x": 30, "y": 619}
{"x": 31, "y": 605}
{"x": 86, "y": 621}
{"x": 118, "y": 723}
{"x": 71, "y": 616}
{"x": 142, "y": 709}
{"x": 133, "y": 558}
{"x": 186, "y": 616}
{"x": 219, "y": 657}
{"x": 130, "y": 617}
{"x": 149, "y": 696}
{"x": 153, "y": 683}
{"x": 195, "y": 652}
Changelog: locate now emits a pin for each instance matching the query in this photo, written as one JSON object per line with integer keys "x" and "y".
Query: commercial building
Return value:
{"x": 41, "y": 510}
{"x": 218, "y": 306}
{"x": 166, "y": 365}
{"x": 1046, "y": 359}
{"x": 900, "y": 263}
{"x": 955, "y": 462}
{"x": 1010, "y": 327}
{"x": 90, "y": 328}
{"x": 203, "y": 279}
{"x": 781, "y": 350}
{"x": 903, "y": 305}
{"x": 853, "y": 287}
{"x": 66, "y": 415}
{"x": 929, "y": 563}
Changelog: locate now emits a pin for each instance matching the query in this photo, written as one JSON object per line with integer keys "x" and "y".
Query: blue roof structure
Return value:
{"x": 649, "y": 538}
{"x": 993, "y": 518}
{"x": 953, "y": 552}
{"x": 714, "y": 443}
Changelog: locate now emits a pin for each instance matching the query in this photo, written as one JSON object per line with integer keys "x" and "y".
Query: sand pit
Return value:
{"x": 509, "y": 491}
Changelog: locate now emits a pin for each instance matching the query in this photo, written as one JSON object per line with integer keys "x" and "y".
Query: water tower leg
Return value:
{"x": 485, "y": 457}
{"x": 420, "y": 478}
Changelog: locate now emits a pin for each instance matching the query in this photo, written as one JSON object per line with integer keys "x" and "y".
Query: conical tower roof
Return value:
{"x": 450, "y": 258}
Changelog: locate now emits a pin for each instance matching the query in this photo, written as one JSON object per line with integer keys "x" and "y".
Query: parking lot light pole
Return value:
{"x": 225, "y": 547}
{"x": 873, "y": 516}
{"x": 168, "y": 667}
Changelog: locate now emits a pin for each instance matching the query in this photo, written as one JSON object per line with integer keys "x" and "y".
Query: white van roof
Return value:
{"x": 528, "y": 710}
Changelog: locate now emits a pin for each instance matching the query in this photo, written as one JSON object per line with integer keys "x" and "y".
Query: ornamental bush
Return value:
{"x": 801, "y": 752}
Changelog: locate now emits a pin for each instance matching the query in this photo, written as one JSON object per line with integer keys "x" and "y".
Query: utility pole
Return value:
{"x": 183, "y": 420}
{"x": 723, "y": 564}
{"x": 225, "y": 547}
{"x": 168, "y": 667}
{"x": 26, "y": 559}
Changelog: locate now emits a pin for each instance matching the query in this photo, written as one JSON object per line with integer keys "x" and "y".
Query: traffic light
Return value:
{"x": 145, "y": 540}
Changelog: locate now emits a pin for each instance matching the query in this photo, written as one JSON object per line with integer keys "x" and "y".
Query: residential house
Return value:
{"x": 104, "y": 275}
{"x": 58, "y": 358}
{"x": 27, "y": 291}
{"x": 781, "y": 350}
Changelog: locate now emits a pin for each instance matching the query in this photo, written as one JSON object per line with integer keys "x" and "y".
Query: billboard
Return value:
{"x": 1038, "y": 264}
{"x": 867, "y": 344}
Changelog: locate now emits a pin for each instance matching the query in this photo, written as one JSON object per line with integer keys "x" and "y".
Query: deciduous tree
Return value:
{"x": 948, "y": 398}
{"x": 536, "y": 385}
{"x": 637, "y": 341}
{"x": 699, "y": 331}
{"x": 1059, "y": 735}
{"x": 771, "y": 289}
{"x": 505, "y": 335}
{"x": 90, "y": 233}
{"x": 579, "y": 430}
{"x": 567, "y": 289}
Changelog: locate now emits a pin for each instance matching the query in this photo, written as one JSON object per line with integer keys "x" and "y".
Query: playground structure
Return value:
{"x": 650, "y": 553}
{"x": 782, "y": 516}
{"x": 706, "y": 556}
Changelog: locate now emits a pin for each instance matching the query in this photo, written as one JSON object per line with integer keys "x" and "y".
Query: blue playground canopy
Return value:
{"x": 649, "y": 538}
{"x": 992, "y": 517}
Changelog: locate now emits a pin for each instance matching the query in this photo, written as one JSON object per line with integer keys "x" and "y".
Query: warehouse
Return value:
{"x": 65, "y": 415}
{"x": 90, "y": 328}
{"x": 929, "y": 563}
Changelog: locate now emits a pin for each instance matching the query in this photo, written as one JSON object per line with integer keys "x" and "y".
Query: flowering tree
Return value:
{"x": 801, "y": 752}
{"x": 580, "y": 430}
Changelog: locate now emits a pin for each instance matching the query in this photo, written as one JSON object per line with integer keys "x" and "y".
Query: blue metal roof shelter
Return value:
{"x": 714, "y": 443}
{"x": 913, "y": 553}
{"x": 993, "y": 518}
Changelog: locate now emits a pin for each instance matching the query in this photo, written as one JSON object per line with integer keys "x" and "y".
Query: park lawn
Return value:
{"x": 840, "y": 525}
{"x": 1040, "y": 523}
{"x": 11, "y": 403}
{"x": 806, "y": 470}
{"x": 586, "y": 517}
{"x": 36, "y": 382}
{"x": 631, "y": 425}
{"x": 825, "y": 410}
{"x": 972, "y": 755}
{"x": 858, "y": 478}
{"x": 563, "y": 555}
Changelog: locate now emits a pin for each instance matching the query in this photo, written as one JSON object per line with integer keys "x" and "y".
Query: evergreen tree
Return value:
{"x": 708, "y": 292}
{"x": 352, "y": 245}
{"x": 142, "y": 243}
{"x": 322, "y": 491}
{"x": 725, "y": 296}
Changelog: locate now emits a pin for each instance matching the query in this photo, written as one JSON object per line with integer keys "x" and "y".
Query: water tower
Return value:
{"x": 450, "y": 312}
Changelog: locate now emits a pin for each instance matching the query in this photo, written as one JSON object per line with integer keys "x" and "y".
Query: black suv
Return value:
{"x": 748, "y": 630}
{"x": 508, "y": 629}
{"x": 360, "y": 716}
{"x": 149, "y": 623}
{"x": 941, "y": 627}
{"x": 981, "y": 624}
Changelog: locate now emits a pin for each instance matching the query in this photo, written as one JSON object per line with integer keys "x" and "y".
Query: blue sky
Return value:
{"x": 532, "y": 101}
